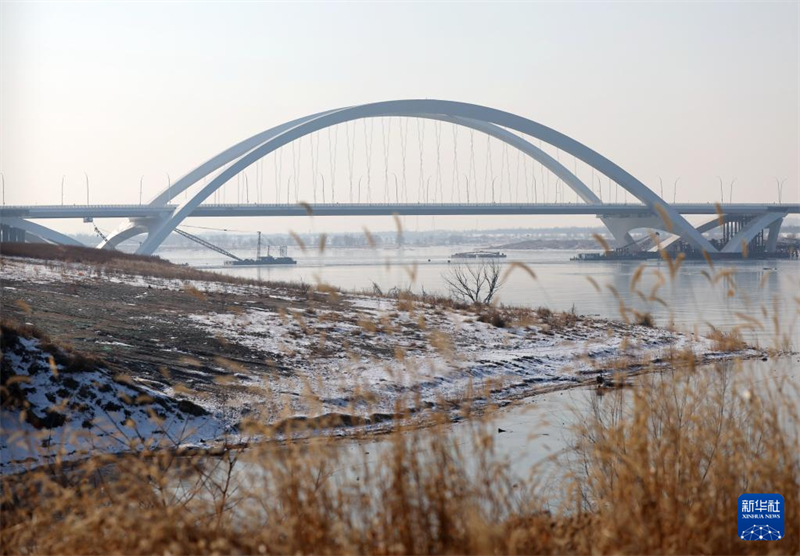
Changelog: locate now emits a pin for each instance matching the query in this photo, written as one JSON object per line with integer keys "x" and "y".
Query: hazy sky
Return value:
{"x": 121, "y": 90}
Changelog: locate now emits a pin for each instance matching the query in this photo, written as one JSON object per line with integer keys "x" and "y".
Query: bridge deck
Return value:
{"x": 370, "y": 209}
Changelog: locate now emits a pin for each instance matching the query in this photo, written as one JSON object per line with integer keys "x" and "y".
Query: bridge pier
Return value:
{"x": 772, "y": 239}
{"x": 9, "y": 234}
{"x": 753, "y": 229}
{"x": 130, "y": 229}
{"x": 36, "y": 233}
{"x": 621, "y": 226}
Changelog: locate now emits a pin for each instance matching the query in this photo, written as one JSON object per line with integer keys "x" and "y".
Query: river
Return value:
{"x": 760, "y": 290}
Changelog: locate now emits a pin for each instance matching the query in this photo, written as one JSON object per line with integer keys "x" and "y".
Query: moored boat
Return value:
{"x": 266, "y": 260}
{"x": 480, "y": 255}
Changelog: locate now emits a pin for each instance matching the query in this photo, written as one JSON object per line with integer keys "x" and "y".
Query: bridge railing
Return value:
{"x": 164, "y": 208}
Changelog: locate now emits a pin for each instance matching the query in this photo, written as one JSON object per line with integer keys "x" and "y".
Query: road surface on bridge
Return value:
{"x": 377, "y": 209}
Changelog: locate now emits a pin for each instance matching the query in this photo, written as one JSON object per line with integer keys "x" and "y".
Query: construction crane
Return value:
{"x": 207, "y": 244}
{"x": 101, "y": 234}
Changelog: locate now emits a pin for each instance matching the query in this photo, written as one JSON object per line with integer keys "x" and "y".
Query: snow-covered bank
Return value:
{"x": 376, "y": 347}
{"x": 60, "y": 406}
{"x": 271, "y": 352}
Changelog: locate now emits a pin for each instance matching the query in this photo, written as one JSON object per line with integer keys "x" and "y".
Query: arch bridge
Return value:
{"x": 742, "y": 223}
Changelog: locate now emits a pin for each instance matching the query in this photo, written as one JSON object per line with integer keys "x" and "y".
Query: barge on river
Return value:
{"x": 266, "y": 260}
{"x": 261, "y": 261}
{"x": 480, "y": 255}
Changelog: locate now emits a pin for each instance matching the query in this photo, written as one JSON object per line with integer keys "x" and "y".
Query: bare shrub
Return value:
{"x": 476, "y": 283}
{"x": 495, "y": 318}
{"x": 645, "y": 319}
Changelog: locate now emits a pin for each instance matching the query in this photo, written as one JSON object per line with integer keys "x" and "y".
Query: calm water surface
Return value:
{"x": 753, "y": 289}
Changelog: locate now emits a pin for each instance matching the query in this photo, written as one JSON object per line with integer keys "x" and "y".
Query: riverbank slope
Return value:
{"x": 203, "y": 352}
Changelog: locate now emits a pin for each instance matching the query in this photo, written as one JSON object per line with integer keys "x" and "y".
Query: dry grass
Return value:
{"x": 69, "y": 253}
{"x": 657, "y": 472}
{"x": 662, "y": 474}
{"x": 726, "y": 341}
{"x": 557, "y": 320}
{"x": 109, "y": 262}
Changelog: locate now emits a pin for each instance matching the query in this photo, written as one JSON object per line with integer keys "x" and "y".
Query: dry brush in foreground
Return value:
{"x": 656, "y": 469}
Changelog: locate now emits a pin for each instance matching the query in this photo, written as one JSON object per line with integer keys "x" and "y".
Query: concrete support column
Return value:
{"x": 37, "y": 233}
{"x": 9, "y": 234}
{"x": 130, "y": 229}
{"x": 751, "y": 229}
{"x": 772, "y": 239}
{"x": 621, "y": 226}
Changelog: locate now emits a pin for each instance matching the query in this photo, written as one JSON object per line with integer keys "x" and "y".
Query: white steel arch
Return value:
{"x": 133, "y": 228}
{"x": 251, "y": 150}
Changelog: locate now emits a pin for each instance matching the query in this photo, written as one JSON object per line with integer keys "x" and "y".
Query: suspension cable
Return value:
{"x": 600, "y": 187}
{"x": 558, "y": 158}
{"x": 472, "y": 168}
{"x": 508, "y": 172}
{"x": 541, "y": 174}
{"x": 525, "y": 175}
{"x": 314, "y": 155}
{"x": 350, "y": 155}
{"x": 332, "y": 159}
{"x": 276, "y": 178}
{"x": 437, "y": 130}
{"x": 454, "y": 184}
{"x": 294, "y": 171}
{"x": 403, "y": 153}
{"x": 385, "y": 143}
{"x": 368, "y": 152}
{"x": 261, "y": 182}
{"x": 575, "y": 171}
{"x": 489, "y": 171}
{"x": 503, "y": 171}
{"x": 299, "y": 171}
{"x": 420, "y": 143}
{"x": 516, "y": 177}
{"x": 316, "y": 169}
